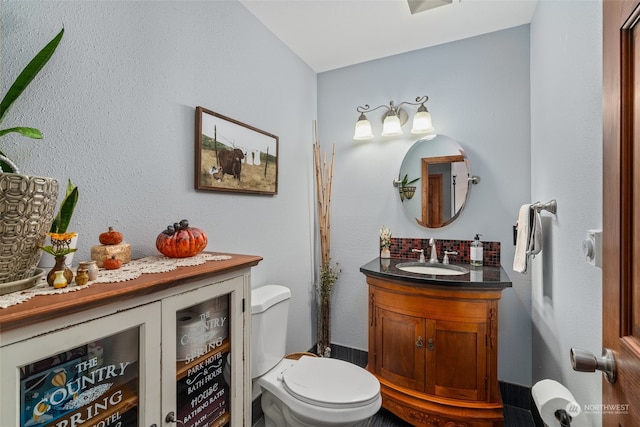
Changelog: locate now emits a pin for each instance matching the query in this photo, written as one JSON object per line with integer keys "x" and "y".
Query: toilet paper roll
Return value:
{"x": 549, "y": 396}
{"x": 190, "y": 334}
{"x": 123, "y": 347}
{"x": 215, "y": 313}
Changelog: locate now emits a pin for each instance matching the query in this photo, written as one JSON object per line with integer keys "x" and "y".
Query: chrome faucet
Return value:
{"x": 421, "y": 253}
{"x": 434, "y": 251}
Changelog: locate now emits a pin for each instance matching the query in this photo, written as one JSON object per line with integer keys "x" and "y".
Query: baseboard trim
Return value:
{"x": 256, "y": 410}
{"x": 515, "y": 395}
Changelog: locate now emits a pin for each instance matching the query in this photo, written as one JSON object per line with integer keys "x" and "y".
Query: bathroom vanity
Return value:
{"x": 147, "y": 351}
{"x": 433, "y": 343}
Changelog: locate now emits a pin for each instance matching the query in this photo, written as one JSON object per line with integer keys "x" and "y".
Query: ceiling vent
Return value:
{"x": 418, "y": 6}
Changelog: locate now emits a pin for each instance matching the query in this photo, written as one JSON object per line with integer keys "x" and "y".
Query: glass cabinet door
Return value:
{"x": 92, "y": 374}
{"x": 201, "y": 330}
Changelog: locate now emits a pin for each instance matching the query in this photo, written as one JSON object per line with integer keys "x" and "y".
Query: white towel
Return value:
{"x": 535, "y": 234}
{"x": 522, "y": 240}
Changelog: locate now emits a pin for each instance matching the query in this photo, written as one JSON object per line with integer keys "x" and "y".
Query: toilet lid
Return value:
{"x": 328, "y": 382}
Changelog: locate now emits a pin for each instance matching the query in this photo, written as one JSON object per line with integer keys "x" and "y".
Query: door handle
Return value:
{"x": 419, "y": 342}
{"x": 585, "y": 361}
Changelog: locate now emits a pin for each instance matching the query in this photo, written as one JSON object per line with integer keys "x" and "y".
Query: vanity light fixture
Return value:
{"x": 394, "y": 118}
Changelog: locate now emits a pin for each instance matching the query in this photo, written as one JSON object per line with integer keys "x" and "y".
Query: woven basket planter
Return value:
{"x": 27, "y": 208}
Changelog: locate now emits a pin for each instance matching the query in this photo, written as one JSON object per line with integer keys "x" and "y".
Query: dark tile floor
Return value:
{"x": 513, "y": 417}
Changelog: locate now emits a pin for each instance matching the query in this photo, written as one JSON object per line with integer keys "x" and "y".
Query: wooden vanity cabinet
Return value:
{"x": 434, "y": 350}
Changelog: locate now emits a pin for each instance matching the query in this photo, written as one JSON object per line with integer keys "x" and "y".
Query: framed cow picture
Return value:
{"x": 233, "y": 156}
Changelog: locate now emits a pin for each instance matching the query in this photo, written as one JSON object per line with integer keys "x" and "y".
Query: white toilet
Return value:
{"x": 310, "y": 391}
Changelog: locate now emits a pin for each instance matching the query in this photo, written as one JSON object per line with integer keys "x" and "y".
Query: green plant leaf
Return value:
{"x": 62, "y": 220}
{"x": 28, "y": 74}
{"x": 412, "y": 181}
{"x": 405, "y": 181}
{"x": 24, "y": 131}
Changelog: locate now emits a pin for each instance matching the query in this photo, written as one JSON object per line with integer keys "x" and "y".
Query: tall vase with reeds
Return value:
{"x": 328, "y": 274}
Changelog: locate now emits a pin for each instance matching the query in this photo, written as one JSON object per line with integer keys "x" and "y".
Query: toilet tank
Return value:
{"x": 269, "y": 313}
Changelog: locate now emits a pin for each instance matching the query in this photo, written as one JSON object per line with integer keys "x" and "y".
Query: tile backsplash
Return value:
{"x": 401, "y": 248}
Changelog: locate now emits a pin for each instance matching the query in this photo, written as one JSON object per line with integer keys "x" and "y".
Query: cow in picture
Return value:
{"x": 230, "y": 162}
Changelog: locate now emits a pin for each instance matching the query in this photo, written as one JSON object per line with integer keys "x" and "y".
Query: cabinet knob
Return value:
{"x": 419, "y": 342}
{"x": 171, "y": 418}
{"x": 430, "y": 345}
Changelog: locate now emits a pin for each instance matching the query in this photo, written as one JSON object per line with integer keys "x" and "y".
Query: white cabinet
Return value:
{"x": 140, "y": 353}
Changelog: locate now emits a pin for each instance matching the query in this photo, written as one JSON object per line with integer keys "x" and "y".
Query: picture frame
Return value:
{"x": 233, "y": 156}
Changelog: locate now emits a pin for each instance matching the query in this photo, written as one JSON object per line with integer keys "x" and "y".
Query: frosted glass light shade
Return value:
{"x": 422, "y": 123}
{"x": 391, "y": 125}
{"x": 363, "y": 129}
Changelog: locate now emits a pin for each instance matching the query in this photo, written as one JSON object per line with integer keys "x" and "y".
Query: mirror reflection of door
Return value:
{"x": 442, "y": 194}
{"x": 434, "y": 200}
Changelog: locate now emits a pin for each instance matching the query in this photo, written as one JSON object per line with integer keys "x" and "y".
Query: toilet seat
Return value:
{"x": 330, "y": 383}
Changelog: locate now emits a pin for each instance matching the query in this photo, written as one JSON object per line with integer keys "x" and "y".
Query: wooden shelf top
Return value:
{"x": 45, "y": 307}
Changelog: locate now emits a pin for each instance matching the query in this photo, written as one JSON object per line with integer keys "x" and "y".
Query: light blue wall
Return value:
{"x": 566, "y": 164}
{"x": 116, "y": 105}
{"x": 478, "y": 92}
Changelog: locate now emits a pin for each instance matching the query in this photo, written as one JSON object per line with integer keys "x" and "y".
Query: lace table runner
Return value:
{"x": 129, "y": 271}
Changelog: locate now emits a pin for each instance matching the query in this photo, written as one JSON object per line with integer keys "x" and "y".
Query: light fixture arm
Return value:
{"x": 366, "y": 109}
{"x": 392, "y": 107}
{"x": 420, "y": 100}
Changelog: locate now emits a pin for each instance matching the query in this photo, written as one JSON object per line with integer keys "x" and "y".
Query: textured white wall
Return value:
{"x": 116, "y": 105}
{"x": 566, "y": 164}
{"x": 478, "y": 92}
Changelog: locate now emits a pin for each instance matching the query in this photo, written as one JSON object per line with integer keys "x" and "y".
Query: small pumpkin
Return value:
{"x": 111, "y": 237}
{"x": 181, "y": 241}
{"x": 112, "y": 263}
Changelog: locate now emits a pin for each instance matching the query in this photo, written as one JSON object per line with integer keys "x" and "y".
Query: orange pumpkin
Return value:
{"x": 181, "y": 241}
{"x": 112, "y": 263}
{"x": 110, "y": 237}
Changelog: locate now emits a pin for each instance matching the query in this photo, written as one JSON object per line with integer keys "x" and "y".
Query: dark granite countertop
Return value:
{"x": 478, "y": 277}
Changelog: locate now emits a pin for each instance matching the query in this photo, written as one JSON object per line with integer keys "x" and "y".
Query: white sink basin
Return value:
{"x": 435, "y": 269}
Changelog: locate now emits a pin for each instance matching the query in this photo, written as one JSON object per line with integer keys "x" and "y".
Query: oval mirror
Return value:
{"x": 435, "y": 181}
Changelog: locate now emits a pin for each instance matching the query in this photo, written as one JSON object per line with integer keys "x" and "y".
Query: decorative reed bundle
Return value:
{"x": 328, "y": 274}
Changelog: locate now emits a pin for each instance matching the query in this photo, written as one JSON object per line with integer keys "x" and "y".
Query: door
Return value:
{"x": 621, "y": 209}
{"x": 457, "y": 361}
{"x": 399, "y": 342}
{"x": 434, "y": 202}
